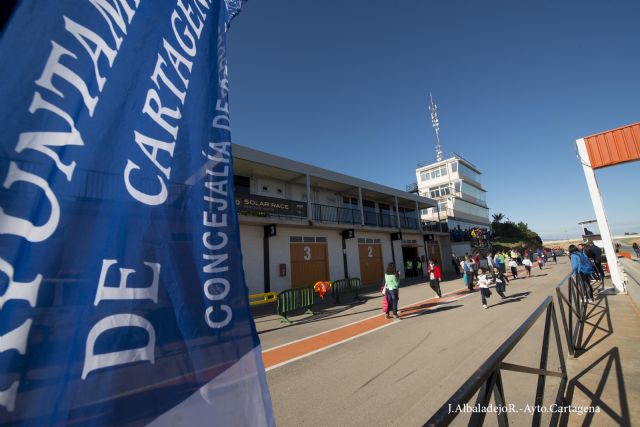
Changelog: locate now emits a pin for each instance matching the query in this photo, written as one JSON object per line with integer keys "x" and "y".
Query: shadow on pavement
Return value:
{"x": 512, "y": 298}
{"x": 319, "y": 316}
{"x": 602, "y": 311}
{"x": 610, "y": 360}
{"x": 430, "y": 311}
{"x": 394, "y": 363}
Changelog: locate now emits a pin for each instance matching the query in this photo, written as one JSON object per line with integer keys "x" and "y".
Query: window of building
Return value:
{"x": 471, "y": 209}
{"x": 242, "y": 184}
{"x": 476, "y": 193}
{"x": 440, "y": 191}
{"x": 454, "y": 167}
{"x": 349, "y": 202}
{"x": 434, "y": 173}
{"x": 469, "y": 173}
{"x": 307, "y": 239}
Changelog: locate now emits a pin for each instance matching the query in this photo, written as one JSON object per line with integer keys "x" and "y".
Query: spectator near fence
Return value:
{"x": 581, "y": 269}
{"x": 595, "y": 254}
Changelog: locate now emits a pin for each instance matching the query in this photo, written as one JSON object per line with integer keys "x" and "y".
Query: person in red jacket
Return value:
{"x": 433, "y": 271}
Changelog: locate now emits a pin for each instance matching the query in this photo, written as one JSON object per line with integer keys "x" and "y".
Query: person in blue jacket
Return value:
{"x": 582, "y": 269}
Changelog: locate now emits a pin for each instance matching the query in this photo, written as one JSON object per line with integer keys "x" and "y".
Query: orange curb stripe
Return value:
{"x": 296, "y": 349}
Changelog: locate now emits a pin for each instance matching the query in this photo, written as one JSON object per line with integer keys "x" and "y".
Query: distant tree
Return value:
{"x": 497, "y": 217}
{"x": 511, "y": 231}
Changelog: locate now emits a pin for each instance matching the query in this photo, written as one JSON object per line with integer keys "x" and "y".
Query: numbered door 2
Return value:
{"x": 371, "y": 268}
{"x": 309, "y": 264}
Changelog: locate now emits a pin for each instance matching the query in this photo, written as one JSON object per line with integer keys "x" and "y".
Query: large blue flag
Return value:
{"x": 122, "y": 295}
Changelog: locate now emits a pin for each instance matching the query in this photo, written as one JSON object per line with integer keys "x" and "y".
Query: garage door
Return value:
{"x": 371, "y": 268}
{"x": 309, "y": 264}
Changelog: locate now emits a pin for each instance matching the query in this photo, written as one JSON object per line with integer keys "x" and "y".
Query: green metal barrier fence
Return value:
{"x": 344, "y": 286}
{"x": 295, "y": 299}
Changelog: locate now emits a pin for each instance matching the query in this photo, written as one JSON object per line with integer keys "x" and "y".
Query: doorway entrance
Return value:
{"x": 409, "y": 256}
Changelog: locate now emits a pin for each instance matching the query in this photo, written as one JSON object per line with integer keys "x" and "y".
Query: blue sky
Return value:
{"x": 344, "y": 85}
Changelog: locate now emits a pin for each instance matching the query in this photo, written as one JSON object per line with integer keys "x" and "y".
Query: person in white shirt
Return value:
{"x": 527, "y": 265}
{"x": 513, "y": 264}
{"x": 483, "y": 284}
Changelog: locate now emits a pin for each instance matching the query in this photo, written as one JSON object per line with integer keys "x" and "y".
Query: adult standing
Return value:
{"x": 595, "y": 253}
{"x": 581, "y": 269}
{"x": 435, "y": 275}
{"x": 408, "y": 268}
{"x": 636, "y": 249}
{"x": 497, "y": 261}
{"x": 391, "y": 285}
{"x": 490, "y": 263}
{"x": 468, "y": 272}
{"x": 476, "y": 264}
{"x": 456, "y": 264}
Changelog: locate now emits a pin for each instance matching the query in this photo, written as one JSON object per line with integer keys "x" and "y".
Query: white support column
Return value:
{"x": 360, "y": 206}
{"x": 601, "y": 216}
{"x": 309, "y": 213}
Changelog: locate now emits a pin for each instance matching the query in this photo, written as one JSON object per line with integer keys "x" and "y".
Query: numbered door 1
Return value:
{"x": 371, "y": 268}
{"x": 309, "y": 264}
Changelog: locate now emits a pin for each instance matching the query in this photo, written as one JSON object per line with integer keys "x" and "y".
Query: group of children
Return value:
{"x": 471, "y": 270}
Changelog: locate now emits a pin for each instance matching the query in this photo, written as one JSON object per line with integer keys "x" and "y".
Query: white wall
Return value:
{"x": 272, "y": 186}
{"x": 293, "y": 191}
{"x": 353, "y": 257}
{"x": 279, "y": 253}
{"x": 297, "y": 192}
{"x": 252, "y": 257}
{"x": 460, "y": 248}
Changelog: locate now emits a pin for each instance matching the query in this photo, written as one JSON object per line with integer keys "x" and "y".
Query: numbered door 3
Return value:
{"x": 309, "y": 264}
{"x": 371, "y": 267}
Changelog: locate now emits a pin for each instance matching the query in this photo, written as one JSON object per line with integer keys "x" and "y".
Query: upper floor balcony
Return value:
{"x": 270, "y": 207}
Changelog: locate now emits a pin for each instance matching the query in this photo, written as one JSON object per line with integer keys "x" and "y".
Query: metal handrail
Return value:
{"x": 577, "y": 306}
{"x": 488, "y": 379}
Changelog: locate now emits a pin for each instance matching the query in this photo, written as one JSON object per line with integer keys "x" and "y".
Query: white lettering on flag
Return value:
{"x": 93, "y": 361}
{"x": 122, "y": 292}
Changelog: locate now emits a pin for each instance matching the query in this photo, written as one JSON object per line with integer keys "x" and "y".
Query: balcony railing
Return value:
{"x": 335, "y": 214}
{"x": 383, "y": 219}
{"x": 412, "y": 188}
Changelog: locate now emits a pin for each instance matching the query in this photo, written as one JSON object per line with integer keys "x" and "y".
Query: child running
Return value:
{"x": 483, "y": 284}
{"x": 527, "y": 265}
{"x": 501, "y": 282}
{"x": 540, "y": 261}
{"x": 514, "y": 269}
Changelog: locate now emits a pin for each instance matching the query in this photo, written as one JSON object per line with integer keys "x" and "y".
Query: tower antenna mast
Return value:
{"x": 436, "y": 126}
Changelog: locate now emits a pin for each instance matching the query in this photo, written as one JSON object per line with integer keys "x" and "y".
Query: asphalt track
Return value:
{"x": 367, "y": 370}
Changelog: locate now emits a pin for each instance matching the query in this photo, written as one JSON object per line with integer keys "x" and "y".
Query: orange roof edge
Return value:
{"x": 611, "y": 130}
